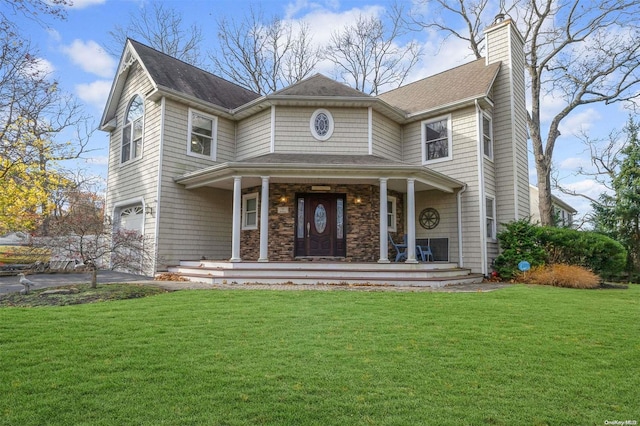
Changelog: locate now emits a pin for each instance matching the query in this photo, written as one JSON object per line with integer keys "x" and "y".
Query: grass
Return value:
{"x": 523, "y": 355}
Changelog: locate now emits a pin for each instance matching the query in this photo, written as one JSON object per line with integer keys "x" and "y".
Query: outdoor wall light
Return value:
{"x": 283, "y": 199}
{"x": 358, "y": 199}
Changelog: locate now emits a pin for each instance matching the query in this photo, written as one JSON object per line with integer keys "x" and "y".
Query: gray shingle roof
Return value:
{"x": 181, "y": 77}
{"x": 332, "y": 159}
{"x": 467, "y": 81}
{"x": 319, "y": 85}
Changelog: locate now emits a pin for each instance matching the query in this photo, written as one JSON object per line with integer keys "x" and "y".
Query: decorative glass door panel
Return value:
{"x": 320, "y": 225}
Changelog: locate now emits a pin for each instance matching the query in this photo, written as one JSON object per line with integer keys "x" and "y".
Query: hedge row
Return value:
{"x": 538, "y": 245}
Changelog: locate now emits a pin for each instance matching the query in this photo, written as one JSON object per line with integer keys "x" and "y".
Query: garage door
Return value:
{"x": 132, "y": 218}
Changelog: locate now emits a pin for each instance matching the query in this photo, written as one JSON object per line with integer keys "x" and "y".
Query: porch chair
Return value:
{"x": 403, "y": 254}
{"x": 423, "y": 251}
{"x": 401, "y": 249}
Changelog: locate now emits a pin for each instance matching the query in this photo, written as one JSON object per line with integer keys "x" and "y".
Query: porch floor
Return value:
{"x": 430, "y": 274}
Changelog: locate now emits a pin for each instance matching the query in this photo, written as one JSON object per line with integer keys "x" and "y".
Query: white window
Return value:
{"x": 487, "y": 135}
{"x": 250, "y": 211}
{"x": 202, "y": 135}
{"x": 490, "y": 204}
{"x": 437, "y": 141}
{"x": 321, "y": 124}
{"x": 132, "y": 130}
{"x": 391, "y": 214}
{"x": 132, "y": 218}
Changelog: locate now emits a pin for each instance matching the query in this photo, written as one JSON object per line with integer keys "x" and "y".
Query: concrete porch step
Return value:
{"x": 428, "y": 275}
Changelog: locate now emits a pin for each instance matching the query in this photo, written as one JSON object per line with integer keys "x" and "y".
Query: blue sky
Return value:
{"x": 71, "y": 50}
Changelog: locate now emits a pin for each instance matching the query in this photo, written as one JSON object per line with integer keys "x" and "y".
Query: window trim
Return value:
{"x": 493, "y": 236}
{"x": 214, "y": 135}
{"x": 245, "y": 198}
{"x": 394, "y": 219}
{"x": 423, "y": 139}
{"x": 129, "y": 125}
{"x": 312, "y": 124}
{"x": 488, "y": 116}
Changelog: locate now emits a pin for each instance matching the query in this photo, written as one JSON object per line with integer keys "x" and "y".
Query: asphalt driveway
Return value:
{"x": 11, "y": 284}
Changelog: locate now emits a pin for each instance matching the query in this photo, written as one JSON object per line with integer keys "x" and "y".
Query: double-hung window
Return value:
{"x": 490, "y": 205}
{"x": 132, "y": 130}
{"x": 250, "y": 211}
{"x": 436, "y": 137}
{"x": 202, "y": 135}
{"x": 391, "y": 214}
{"x": 487, "y": 136}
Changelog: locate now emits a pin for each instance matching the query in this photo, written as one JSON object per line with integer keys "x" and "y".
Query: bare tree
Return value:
{"x": 36, "y": 10}
{"x": 605, "y": 155}
{"x": 84, "y": 234}
{"x": 162, "y": 28}
{"x": 584, "y": 52}
{"x": 34, "y": 112}
{"x": 367, "y": 53}
{"x": 263, "y": 55}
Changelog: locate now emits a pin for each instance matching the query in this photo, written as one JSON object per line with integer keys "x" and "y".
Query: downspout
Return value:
{"x": 481, "y": 191}
{"x": 459, "y": 196}
{"x": 159, "y": 182}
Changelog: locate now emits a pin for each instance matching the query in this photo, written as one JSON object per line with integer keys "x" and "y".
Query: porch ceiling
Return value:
{"x": 320, "y": 170}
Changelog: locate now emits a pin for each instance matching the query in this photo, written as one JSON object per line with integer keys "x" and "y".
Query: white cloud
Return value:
{"x": 54, "y": 35}
{"x": 99, "y": 160}
{"x": 440, "y": 55}
{"x": 573, "y": 163}
{"x": 39, "y": 67}
{"x": 81, "y": 4}
{"x": 91, "y": 57}
{"x": 95, "y": 93}
{"x": 579, "y": 122}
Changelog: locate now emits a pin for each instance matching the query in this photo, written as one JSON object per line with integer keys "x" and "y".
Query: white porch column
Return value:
{"x": 237, "y": 216}
{"x": 384, "y": 238}
{"x": 411, "y": 221}
{"x": 264, "y": 221}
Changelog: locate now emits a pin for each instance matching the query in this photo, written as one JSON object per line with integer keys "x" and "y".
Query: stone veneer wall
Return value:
{"x": 362, "y": 222}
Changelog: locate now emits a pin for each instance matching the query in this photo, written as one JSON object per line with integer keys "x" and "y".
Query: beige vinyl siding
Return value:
{"x": 463, "y": 167}
{"x": 350, "y": 134}
{"x": 136, "y": 178}
{"x": 521, "y": 132}
{"x": 510, "y": 137}
{"x": 387, "y": 137}
{"x": 176, "y": 139}
{"x": 193, "y": 223}
{"x": 446, "y": 205}
{"x": 226, "y": 140}
{"x": 254, "y": 136}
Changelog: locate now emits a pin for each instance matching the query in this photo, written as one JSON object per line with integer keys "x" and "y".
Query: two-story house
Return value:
{"x": 319, "y": 176}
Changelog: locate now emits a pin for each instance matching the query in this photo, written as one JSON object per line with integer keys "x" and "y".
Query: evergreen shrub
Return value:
{"x": 522, "y": 240}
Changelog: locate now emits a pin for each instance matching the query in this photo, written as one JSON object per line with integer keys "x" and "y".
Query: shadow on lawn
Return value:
{"x": 78, "y": 294}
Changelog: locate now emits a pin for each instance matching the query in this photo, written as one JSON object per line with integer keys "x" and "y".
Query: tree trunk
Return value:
{"x": 94, "y": 277}
{"x": 545, "y": 204}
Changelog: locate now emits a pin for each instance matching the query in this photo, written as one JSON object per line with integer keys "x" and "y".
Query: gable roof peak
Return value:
{"x": 319, "y": 85}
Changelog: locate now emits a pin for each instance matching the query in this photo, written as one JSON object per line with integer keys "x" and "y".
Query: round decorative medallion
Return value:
{"x": 429, "y": 218}
{"x": 321, "y": 124}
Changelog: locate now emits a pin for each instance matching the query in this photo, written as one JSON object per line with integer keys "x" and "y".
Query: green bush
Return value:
{"x": 522, "y": 240}
{"x": 603, "y": 255}
{"x": 518, "y": 241}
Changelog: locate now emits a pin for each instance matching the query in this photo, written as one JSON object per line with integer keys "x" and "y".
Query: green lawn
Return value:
{"x": 518, "y": 356}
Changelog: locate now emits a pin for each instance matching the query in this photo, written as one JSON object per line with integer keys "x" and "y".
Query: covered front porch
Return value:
{"x": 292, "y": 208}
